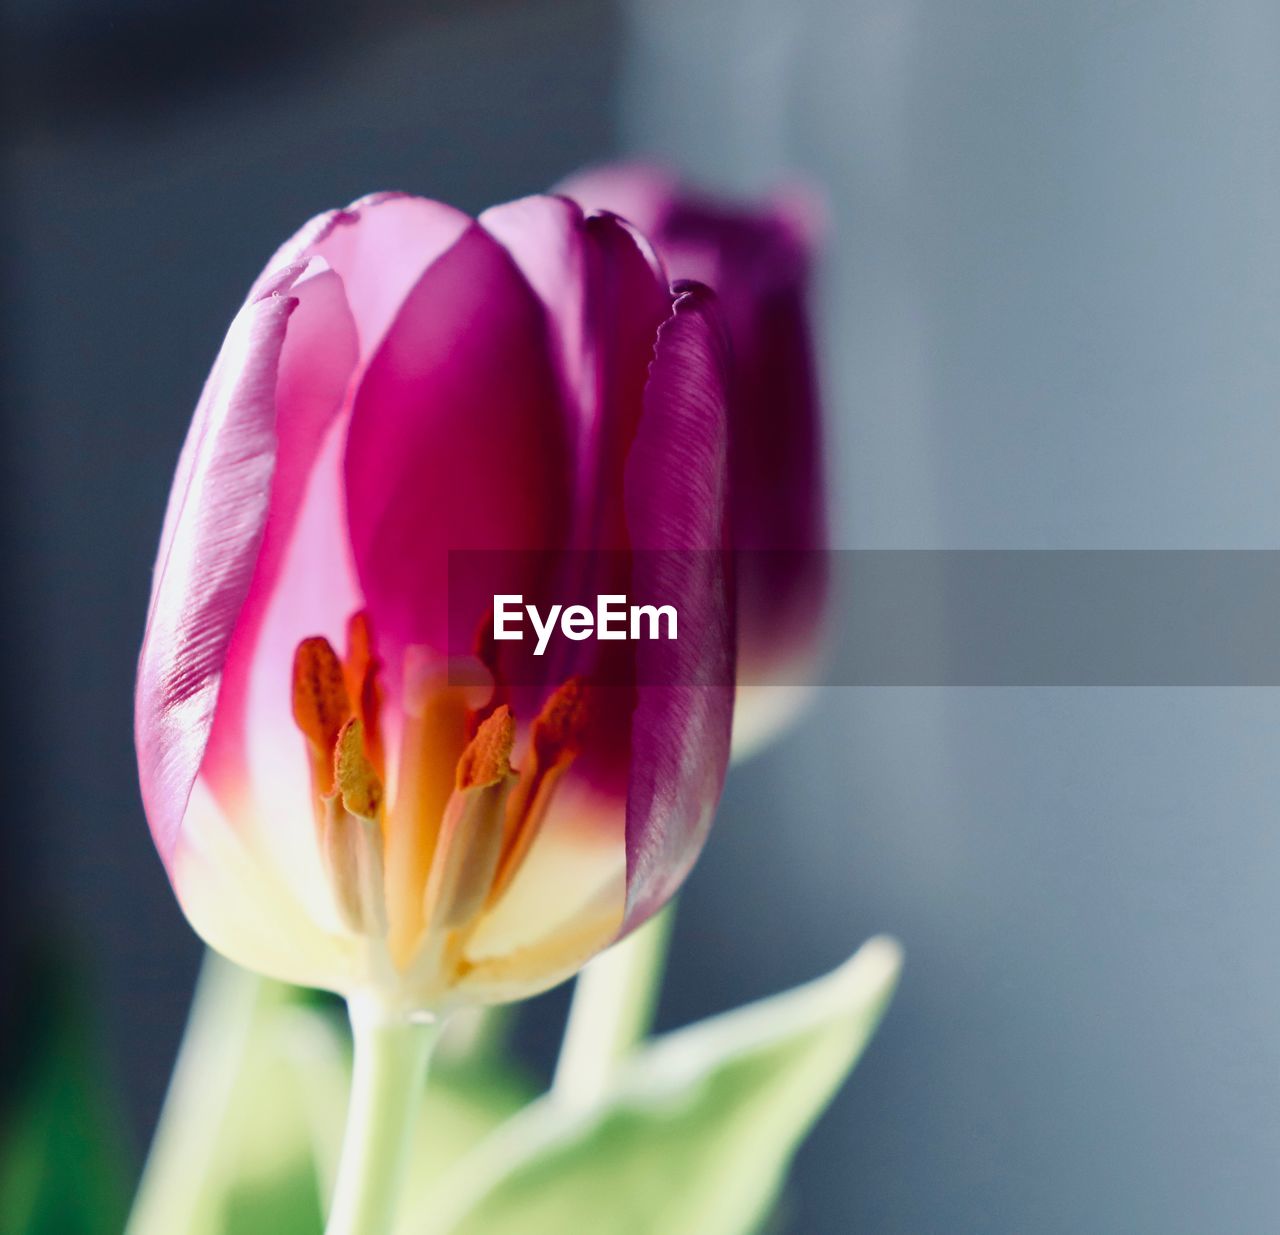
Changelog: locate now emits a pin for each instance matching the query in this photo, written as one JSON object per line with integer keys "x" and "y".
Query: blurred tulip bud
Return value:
{"x": 758, "y": 258}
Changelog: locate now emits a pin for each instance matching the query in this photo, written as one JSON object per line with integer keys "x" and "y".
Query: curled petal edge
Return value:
{"x": 208, "y": 550}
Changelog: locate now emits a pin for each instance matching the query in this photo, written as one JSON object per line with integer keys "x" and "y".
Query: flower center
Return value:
{"x": 418, "y": 873}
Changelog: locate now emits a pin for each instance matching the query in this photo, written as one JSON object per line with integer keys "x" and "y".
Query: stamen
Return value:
{"x": 487, "y": 758}
{"x": 354, "y": 774}
{"x": 485, "y": 649}
{"x": 362, "y": 668}
{"x": 352, "y": 849}
{"x": 563, "y": 720}
{"x": 320, "y": 704}
{"x": 555, "y": 743}
{"x": 360, "y": 653}
{"x": 471, "y": 832}
{"x": 347, "y": 789}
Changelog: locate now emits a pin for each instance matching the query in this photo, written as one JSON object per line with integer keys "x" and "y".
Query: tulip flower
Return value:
{"x": 758, "y": 259}
{"x": 332, "y": 807}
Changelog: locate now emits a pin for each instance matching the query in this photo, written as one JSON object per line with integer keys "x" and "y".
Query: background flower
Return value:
{"x": 759, "y": 257}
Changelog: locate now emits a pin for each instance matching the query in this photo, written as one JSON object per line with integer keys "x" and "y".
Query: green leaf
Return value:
{"x": 252, "y": 1126}
{"x": 696, "y": 1133}
{"x": 62, "y": 1166}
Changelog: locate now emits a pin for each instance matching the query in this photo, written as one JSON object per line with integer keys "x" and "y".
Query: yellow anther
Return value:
{"x": 354, "y": 775}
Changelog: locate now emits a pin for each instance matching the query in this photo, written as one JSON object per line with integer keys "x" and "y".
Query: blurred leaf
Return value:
{"x": 472, "y": 1035}
{"x": 250, "y": 1135}
{"x": 62, "y": 1163}
{"x": 232, "y": 1154}
{"x": 695, "y": 1135}
{"x": 465, "y": 1103}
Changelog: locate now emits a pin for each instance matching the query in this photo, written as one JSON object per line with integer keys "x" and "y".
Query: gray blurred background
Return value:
{"x": 1050, "y": 315}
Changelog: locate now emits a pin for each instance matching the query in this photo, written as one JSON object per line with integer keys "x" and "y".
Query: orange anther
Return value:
{"x": 320, "y": 703}
{"x": 487, "y": 758}
{"x": 362, "y": 661}
{"x": 362, "y": 666}
{"x": 556, "y": 741}
{"x": 562, "y": 720}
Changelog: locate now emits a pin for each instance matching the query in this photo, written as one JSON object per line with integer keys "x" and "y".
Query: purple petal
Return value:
{"x": 208, "y": 550}
{"x": 778, "y": 502}
{"x": 758, "y": 259}
{"x": 676, "y": 503}
{"x": 319, "y": 355}
{"x": 605, "y": 295}
{"x": 379, "y": 245}
{"x": 457, "y": 441}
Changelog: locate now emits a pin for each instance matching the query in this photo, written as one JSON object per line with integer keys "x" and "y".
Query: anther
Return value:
{"x": 562, "y": 721}
{"x": 487, "y": 758}
{"x": 556, "y": 740}
{"x": 355, "y": 777}
{"x": 320, "y": 703}
{"x": 362, "y": 667}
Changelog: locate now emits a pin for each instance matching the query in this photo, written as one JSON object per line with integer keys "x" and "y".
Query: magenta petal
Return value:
{"x": 208, "y": 549}
{"x": 379, "y": 245}
{"x": 676, "y": 504}
{"x": 319, "y": 355}
{"x": 629, "y": 299}
{"x": 456, "y": 442}
{"x": 546, "y": 238}
{"x": 605, "y": 295}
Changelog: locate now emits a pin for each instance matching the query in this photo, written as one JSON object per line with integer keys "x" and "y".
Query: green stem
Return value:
{"x": 612, "y": 1009}
{"x": 390, "y": 1069}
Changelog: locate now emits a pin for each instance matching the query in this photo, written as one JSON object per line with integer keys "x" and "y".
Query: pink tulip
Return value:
{"x": 330, "y": 806}
{"x": 758, "y": 259}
